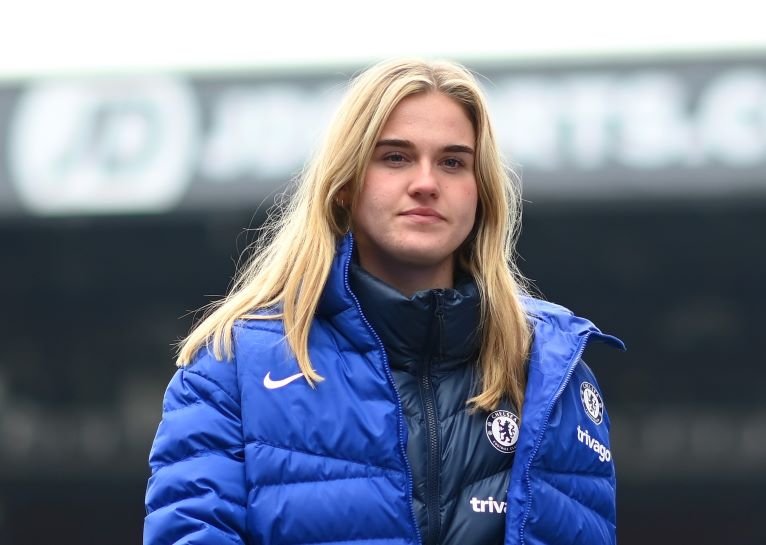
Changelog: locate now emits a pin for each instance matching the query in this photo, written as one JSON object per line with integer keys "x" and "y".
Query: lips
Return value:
{"x": 423, "y": 212}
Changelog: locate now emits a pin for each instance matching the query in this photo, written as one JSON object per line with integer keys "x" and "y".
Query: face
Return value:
{"x": 418, "y": 201}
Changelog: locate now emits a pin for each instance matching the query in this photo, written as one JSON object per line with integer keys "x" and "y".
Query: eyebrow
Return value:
{"x": 399, "y": 143}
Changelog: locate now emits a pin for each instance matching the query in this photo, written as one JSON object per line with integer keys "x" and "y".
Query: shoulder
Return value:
{"x": 540, "y": 311}
{"x": 259, "y": 340}
{"x": 220, "y": 381}
{"x": 539, "y": 307}
{"x": 223, "y": 372}
{"x": 207, "y": 375}
{"x": 553, "y": 321}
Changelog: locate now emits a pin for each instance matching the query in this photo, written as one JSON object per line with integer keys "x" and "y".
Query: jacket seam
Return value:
{"x": 319, "y": 480}
{"x": 455, "y": 413}
{"x": 456, "y": 495}
{"x": 256, "y": 324}
{"x": 577, "y": 501}
{"x": 280, "y": 447}
{"x": 394, "y": 538}
{"x": 581, "y": 473}
{"x": 197, "y": 454}
{"x": 214, "y": 383}
{"x": 174, "y": 505}
{"x": 205, "y": 398}
{"x": 226, "y": 534}
{"x": 167, "y": 411}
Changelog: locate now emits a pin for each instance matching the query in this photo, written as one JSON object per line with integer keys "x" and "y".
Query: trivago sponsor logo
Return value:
{"x": 490, "y": 505}
{"x": 604, "y": 454}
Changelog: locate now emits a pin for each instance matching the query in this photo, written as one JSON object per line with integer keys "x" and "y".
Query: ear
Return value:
{"x": 343, "y": 197}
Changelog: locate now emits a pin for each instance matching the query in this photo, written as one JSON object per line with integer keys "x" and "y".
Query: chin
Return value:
{"x": 424, "y": 256}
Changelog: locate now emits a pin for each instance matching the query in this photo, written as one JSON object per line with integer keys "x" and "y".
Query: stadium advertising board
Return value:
{"x": 163, "y": 143}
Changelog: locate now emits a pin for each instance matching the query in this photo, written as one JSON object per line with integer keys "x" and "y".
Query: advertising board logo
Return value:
{"x": 104, "y": 145}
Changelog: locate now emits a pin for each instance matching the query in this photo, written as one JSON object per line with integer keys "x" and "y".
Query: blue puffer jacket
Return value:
{"x": 247, "y": 452}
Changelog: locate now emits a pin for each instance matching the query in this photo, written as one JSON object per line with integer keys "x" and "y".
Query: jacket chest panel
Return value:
{"x": 327, "y": 459}
{"x": 351, "y": 414}
{"x": 468, "y": 450}
{"x": 473, "y": 461}
{"x": 296, "y": 497}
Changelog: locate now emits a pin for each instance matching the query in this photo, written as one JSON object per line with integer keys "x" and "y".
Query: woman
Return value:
{"x": 362, "y": 381}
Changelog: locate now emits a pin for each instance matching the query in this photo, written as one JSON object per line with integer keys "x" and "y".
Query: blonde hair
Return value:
{"x": 291, "y": 263}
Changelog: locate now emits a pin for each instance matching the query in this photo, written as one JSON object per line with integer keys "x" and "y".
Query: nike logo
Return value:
{"x": 274, "y": 384}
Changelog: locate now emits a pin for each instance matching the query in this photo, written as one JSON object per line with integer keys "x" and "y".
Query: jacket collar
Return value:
{"x": 339, "y": 304}
{"x": 437, "y": 326}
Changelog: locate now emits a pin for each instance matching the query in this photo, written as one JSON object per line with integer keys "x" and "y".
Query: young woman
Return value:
{"x": 377, "y": 373}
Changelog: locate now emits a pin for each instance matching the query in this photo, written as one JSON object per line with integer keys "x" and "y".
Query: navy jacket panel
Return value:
{"x": 459, "y": 471}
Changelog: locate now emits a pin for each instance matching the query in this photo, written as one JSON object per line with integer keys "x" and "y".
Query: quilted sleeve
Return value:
{"x": 196, "y": 493}
{"x": 563, "y": 484}
{"x": 591, "y": 480}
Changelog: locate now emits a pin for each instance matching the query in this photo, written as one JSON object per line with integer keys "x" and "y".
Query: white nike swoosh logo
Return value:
{"x": 273, "y": 384}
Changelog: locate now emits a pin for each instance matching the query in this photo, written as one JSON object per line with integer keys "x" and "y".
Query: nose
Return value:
{"x": 424, "y": 181}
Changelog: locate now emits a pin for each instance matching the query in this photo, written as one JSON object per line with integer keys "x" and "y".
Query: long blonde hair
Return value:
{"x": 291, "y": 262}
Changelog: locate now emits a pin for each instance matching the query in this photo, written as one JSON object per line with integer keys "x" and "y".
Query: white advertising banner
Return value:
{"x": 680, "y": 129}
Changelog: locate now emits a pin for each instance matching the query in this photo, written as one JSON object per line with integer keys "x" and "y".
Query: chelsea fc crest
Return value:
{"x": 591, "y": 400}
{"x": 503, "y": 430}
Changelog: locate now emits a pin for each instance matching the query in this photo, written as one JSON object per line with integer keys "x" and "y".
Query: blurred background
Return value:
{"x": 141, "y": 145}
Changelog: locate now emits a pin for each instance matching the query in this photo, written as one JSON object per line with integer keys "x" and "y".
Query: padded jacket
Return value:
{"x": 248, "y": 452}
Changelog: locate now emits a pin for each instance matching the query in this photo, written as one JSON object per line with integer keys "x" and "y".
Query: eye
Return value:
{"x": 395, "y": 158}
{"x": 453, "y": 163}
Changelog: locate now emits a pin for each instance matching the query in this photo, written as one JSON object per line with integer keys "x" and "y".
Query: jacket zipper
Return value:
{"x": 548, "y": 411}
{"x": 399, "y": 411}
{"x": 432, "y": 428}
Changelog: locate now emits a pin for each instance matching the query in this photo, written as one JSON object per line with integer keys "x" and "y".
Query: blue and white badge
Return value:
{"x": 591, "y": 400}
{"x": 503, "y": 430}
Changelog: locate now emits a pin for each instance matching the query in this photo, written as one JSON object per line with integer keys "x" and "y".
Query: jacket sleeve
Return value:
{"x": 562, "y": 488}
{"x": 587, "y": 477}
{"x": 196, "y": 493}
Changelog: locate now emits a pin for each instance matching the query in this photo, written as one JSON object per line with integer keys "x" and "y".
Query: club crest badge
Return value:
{"x": 503, "y": 430}
{"x": 591, "y": 401}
